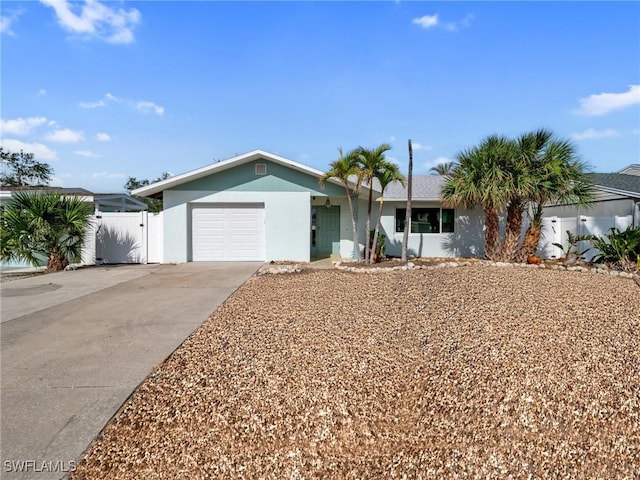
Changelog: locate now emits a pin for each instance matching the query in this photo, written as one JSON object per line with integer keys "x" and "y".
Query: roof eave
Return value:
{"x": 626, "y": 193}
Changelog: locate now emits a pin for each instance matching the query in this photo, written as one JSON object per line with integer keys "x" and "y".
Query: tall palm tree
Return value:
{"x": 522, "y": 185}
{"x": 481, "y": 180}
{"x": 390, "y": 173}
{"x": 372, "y": 164}
{"x": 38, "y": 226}
{"x": 345, "y": 169}
{"x": 445, "y": 168}
{"x": 560, "y": 178}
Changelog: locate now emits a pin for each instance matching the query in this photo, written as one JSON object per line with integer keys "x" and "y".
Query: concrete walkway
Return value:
{"x": 74, "y": 345}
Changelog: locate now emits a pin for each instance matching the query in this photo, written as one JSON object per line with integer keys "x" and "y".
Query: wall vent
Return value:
{"x": 261, "y": 168}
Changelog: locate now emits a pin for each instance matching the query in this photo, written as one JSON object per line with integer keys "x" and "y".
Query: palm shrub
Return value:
{"x": 377, "y": 245}
{"x": 44, "y": 225}
{"x": 618, "y": 249}
{"x": 571, "y": 253}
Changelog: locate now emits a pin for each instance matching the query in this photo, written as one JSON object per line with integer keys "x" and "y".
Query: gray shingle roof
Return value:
{"x": 617, "y": 181}
{"x": 425, "y": 187}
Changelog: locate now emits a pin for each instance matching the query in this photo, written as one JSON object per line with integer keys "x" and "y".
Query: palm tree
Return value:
{"x": 345, "y": 169}
{"x": 372, "y": 163}
{"x": 38, "y": 226}
{"x": 391, "y": 173}
{"x": 560, "y": 178}
{"x": 480, "y": 180}
{"x": 522, "y": 185}
{"x": 445, "y": 168}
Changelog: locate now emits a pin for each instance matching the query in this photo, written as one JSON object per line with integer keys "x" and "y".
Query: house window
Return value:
{"x": 426, "y": 220}
{"x": 261, "y": 168}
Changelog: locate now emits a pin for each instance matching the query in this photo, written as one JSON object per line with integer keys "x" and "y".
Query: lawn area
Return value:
{"x": 471, "y": 372}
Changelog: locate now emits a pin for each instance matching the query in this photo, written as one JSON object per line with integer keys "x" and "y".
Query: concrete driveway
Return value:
{"x": 74, "y": 346}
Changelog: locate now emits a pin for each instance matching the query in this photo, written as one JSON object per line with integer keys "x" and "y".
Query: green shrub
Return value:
{"x": 618, "y": 249}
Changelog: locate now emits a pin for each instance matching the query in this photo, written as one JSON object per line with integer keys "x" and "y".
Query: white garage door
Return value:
{"x": 228, "y": 233}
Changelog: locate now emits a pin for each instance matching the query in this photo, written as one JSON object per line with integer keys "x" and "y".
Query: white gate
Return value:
{"x": 554, "y": 230}
{"x": 125, "y": 237}
{"x": 120, "y": 238}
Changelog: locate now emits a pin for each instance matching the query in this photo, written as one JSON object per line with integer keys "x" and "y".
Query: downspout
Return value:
{"x": 636, "y": 214}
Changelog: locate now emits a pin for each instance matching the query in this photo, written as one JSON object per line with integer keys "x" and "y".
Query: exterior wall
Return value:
{"x": 467, "y": 240}
{"x": 287, "y": 221}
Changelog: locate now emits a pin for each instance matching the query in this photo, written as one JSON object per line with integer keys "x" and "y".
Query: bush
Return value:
{"x": 619, "y": 249}
{"x": 380, "y": 245}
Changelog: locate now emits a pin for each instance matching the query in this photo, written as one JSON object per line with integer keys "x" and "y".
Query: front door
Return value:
{"x": 325, "y": 230}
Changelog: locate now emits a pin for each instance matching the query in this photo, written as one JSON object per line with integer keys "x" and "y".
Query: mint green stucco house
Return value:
{"x": 254, "y": 207}
{"x": 261, "y": 207}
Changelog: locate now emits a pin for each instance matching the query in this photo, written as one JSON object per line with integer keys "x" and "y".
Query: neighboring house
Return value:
{"x": 104, "y": 202}
{"x": 260, "y": 206}
{"x": 617, "y": 195}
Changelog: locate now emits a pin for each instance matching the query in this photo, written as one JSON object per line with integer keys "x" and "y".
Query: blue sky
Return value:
{"x": 107, "y": 90}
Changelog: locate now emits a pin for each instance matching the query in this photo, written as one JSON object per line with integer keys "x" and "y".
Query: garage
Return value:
{"x": 232, "y": 232}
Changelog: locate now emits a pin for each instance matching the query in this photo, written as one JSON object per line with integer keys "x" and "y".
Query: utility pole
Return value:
{"x": 407, "y": 218}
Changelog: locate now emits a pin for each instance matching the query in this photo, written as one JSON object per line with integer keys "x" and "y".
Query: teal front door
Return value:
{"x": 325, "y": 230}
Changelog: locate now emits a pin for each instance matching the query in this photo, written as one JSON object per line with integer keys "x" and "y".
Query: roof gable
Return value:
{"x": 275, "y": 178}
{"x": 633, "y": 169}
{"x": 251, "y": 157}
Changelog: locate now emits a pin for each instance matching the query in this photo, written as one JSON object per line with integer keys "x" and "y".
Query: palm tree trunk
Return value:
{"x": 407, "y": 218}
{"x": 374, "y": 244}
{"x": 491, "y": 234}
{"x": 367, "y": 251}
{"x": 354, "y": 224}
{"x": 512, "y": 232}
{"x": 56, "y": 262}
{"x": 532, "y": 236}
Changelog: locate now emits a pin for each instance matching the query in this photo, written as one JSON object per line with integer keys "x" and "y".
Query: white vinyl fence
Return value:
{"x": 554, "y": 230}
{"x": 124, "y": 237}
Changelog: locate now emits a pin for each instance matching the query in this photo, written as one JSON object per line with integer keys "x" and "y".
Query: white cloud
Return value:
{"x": 103, "y": 137}
{"x": 98, "y": 104}
{"x": 591, "y": 134}
{"x": 635, "y": 131}
{"x": 40, "y": 151}
{"x": 21, "y": 126}
{"x": 419, "y": 146}
{"x": 65, "y": 135}
{"x": 464, "y": 23}
{"x": 601, "y": 103}
{"x": 87, "y": 154}
{"x": 42, "y": 92}
{"x": 93, "y": 19}
{"x": 7, "y": 20}
{"x": 150, "y": 107}
{"x": 426, "y": 21}
{"x": 5, "y": 25}
{"x": 112, "y": 97}
{"x": 430, "y": 21}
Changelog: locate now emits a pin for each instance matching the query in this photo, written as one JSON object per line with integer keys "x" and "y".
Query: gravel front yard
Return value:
{"x": 474, "y": 372}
